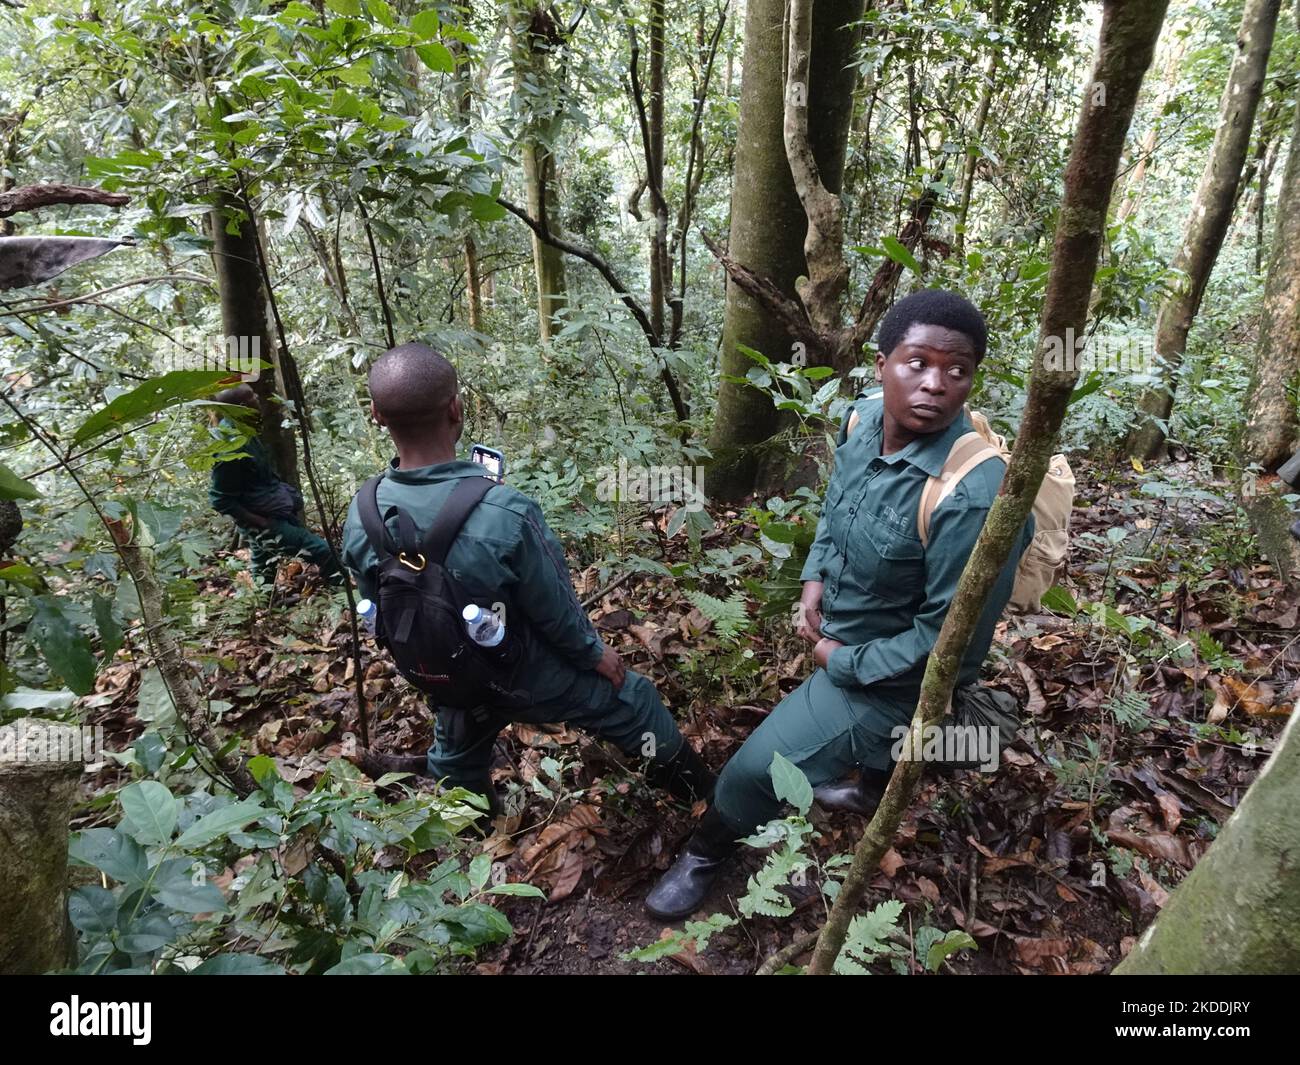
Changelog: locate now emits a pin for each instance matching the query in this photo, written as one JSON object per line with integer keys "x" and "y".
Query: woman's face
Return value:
{"x": 927, "y": 378}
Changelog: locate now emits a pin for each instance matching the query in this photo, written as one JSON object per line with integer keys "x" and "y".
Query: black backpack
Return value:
{"x": 419, "y": 605}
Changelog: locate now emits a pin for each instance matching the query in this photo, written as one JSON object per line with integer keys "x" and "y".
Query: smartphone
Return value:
{"x": 491, "y": 460}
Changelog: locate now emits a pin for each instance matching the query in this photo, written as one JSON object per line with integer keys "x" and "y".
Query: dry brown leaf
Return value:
{"x": 1036, "y": 704}
{"x": 891, "y": 863}
{"x": 1169, "y": 810}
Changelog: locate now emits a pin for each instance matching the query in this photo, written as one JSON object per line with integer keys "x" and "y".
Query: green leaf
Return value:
{"x": 661, "y": 948}
{"x": 351, "y": 8}
{"x": 369, "y": 965}
{"x": 156, "y": 394}
{"x": 220, "y": 823}
{"x": 358, "y": 74}
{"x": 866, "y": 939}
{"x": 527, "y": 891}
{"x": 950, "y": 944}
{"x": 436, "y": 57}
{"x": 150, "y": 812}
{"x": 20, "y": 573}
{"x": 93, "y": 909}
{"x": 790, "y": 784}
{"x": 480, "y": 868}
{"x": 1060, "y": 601}
{"x": 65, "y": 647}
{"x": 176, "y": 885}
{"x": 14, "y": 487}
{"x": 111, "y": 852}
{"x": 899, "y": 253}
{"x": 238, "y": 965}
{"x": 110, "y": 632}
{"x": 424, "y": 24}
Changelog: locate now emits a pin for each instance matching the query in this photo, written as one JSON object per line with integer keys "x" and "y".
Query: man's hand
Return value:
{"x": 611, "y": 667}
{"x": 824, "y": 649}
{"x": 810, "y": 611}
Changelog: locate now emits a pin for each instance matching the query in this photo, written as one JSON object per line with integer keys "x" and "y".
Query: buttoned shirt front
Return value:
{"x": 886, "y": 594}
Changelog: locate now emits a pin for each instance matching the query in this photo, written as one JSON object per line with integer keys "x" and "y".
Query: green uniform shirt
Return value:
{"x": 885, "y": 594}
{"x": 505, "y": 552}
{"x": 249, "y": 483}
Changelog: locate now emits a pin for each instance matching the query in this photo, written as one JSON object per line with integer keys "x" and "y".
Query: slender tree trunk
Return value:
{"x": 974, "y": 150}
{"x": 1272, "y": 434}
{"x": 1207, "y": 224}
{"x": 1238, "y": 911}
{"x": 768, "y": 224}
{"x": 244, "y": 314}
{"x": 1137, "y": 179}
{"x": 473, "y": 287}
{"x": 533, "y": 33}
{"x": 659, "y": 280}
{"x": 1128, "y": 35}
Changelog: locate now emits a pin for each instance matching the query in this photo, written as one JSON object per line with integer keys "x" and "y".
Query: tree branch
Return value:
{"x": 30, "y": 197}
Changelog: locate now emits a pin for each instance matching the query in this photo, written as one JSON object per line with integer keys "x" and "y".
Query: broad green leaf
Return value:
{"x": 790, "y": 784}
{"x": 93, "y": 909}
{"x": 20, "y": 573}
{"x": 178, "y": 884}
{"x": 14, "y": 487}
{"x": 111, "y": 852}
{"x": 110, "y": 632}
{"x": 899, "y": 253}
{"x": 1059, "y": 600}
{"x": 220, "y": 823}
{"x": 950, "y": 944}
{"x": 369, "y": 965}
{"x": 437, "y": 57}
{"x": 65, "y": 647}
{"x": 158, "y": 393}
{"x": 528, "y": 891}
{"x": 424, "y": 24}
{"x": 480, "y": 868}
{"x": 150, "y": 812}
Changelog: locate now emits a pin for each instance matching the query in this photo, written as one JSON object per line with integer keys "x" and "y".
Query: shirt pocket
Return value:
{"x": 890, "y": 559}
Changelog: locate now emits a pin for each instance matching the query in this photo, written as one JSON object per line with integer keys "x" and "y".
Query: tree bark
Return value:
{"x": 1272, "y": 434}
{"x": 36, "y": 797}
{"x": 660, "y": 281}
{"x": 973, "y": 150}
{"x": 532, "y": 35}
{"x": 1207, "y": 224}
{"x": 244, "y": 314}
{"x": 768, "y": 224}
{"x": 1136, "y": 180}
{"x": 1128, "y": 35}
{"x": 1238, "y": 911}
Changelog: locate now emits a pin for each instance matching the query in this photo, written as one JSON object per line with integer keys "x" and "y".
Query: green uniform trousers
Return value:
{"x": 287, "y": 539}
{"x": 825, "y": 730}
{"x": 633, "y": 718}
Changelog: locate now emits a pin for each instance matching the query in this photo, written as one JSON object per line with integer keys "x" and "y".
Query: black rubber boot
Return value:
{"x": 682, "y": 890}
{"x": 860, "y": 796}
{"x": 1295, "y": 530}
{"x": 684, "y": 776}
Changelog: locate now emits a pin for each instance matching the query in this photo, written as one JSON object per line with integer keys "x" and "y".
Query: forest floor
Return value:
{"x": 1145, "y": 720}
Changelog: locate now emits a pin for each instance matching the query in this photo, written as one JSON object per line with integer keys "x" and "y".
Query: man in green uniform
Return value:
{"x": 264, "y": 507}
{"x": 874, "y": 597}
{"x": 506, "y": 552}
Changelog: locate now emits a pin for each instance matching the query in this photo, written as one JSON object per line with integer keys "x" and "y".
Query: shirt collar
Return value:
{"x": 930, "y": 451}
{"x": 435, "y": 474}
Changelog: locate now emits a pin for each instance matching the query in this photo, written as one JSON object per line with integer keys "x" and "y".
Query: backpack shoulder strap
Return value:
{"x": 969, "y": 451}
{"x": 467, "y": 494}
{"x": 368, "y": 508}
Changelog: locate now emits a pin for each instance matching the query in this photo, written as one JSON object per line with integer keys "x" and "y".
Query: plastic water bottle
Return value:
{"x": 367, "y": 612}
{"x": 485, "y": 628}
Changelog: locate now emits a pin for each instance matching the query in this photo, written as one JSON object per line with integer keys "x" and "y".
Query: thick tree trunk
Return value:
{"x": 1272, "y": 433}
{"x": 532, "y": 34}
{"x": 768, "y": 224}
{"x": 1128, "y": 35}
{"x": 244, "y": 314}
{"x": 1207, "y": 224}
{"x": 1238, "y": 911}
{"x": 37, "y": 790}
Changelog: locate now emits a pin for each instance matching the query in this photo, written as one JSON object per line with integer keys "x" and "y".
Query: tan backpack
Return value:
{"x": 1052, "y": 505}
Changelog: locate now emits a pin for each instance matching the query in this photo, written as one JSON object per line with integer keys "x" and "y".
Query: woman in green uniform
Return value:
{"x": 874, "y": 598}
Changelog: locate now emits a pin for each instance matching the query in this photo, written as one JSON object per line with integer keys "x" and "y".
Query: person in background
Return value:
{"x": 265, "y": 508}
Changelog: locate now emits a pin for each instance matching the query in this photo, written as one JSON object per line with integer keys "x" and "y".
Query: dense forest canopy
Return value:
{"x": 581, "y": 204}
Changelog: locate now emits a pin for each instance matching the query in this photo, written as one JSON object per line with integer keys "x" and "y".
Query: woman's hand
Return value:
{"x": 810, "y": 611}
{"x": 824, "y": 649}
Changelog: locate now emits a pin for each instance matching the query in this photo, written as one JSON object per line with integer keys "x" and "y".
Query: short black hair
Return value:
{"x": 241, "y": 395}
{"x": 934, "y": 306}
{"x": 411, "y": 385}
